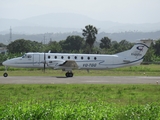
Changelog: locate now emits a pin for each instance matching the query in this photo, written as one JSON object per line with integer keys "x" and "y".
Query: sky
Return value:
{"x": 122, "y": 11}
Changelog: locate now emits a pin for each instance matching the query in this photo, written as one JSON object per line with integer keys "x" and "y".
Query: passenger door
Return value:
{"x": 36, "y": 60}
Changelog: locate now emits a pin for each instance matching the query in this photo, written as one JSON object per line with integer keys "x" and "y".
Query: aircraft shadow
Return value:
{"x": 59, "y": 76}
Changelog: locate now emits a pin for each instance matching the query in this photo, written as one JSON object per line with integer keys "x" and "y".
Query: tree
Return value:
{"x": 2, "y": 45}
{"x": 89, "y": 34}
{"x": 72, "y": 44}
{"x": 54, "y": 47}
{"x": 157, "y": 48}
{"x": 21, "y": 45}
{"x": 113, "y": 48}
{"x": 105, "y": 43}
{"x": 124, "y": 45}
{"x": 35, "y": 46}
{"x": 149, "y": 56}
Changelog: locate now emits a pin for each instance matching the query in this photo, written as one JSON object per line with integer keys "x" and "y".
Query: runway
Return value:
{"x": 79, "y": 80}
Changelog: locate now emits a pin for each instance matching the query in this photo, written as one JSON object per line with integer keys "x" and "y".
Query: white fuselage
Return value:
{"x": 84, "y": 61}
{"x": 68, "y": 61}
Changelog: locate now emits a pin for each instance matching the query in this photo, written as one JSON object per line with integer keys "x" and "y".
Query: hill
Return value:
{"x": 129, "y": 36}
{"x": 68, "y": 22}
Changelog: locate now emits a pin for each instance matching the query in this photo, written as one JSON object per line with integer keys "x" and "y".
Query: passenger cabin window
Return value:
{"x": 68, "y": 57}
{"x": 26, "y": 56}
{"x": 62, "y": 57}
{"x": 29, "y": 56}
{"x": 95, "y": 58}
{"x": 55, "y": 57}
{"x": 82, "y": 58}
{"x": 75, "y": 57}
{"x": 49, "y": 57}
{"x": 88, "y": 58}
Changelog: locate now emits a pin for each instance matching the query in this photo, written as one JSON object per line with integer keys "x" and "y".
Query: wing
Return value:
{"x": 56, "y": 64}
{"x": 69, "y": 64}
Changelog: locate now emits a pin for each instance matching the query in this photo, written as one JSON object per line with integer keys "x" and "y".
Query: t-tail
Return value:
{"x": 136, "y": 53}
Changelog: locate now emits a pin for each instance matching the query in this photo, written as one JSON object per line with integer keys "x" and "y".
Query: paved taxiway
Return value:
{"x": 79, "y": 80}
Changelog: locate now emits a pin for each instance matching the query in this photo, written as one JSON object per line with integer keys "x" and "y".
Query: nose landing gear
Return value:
{"x": 5, "y": 74}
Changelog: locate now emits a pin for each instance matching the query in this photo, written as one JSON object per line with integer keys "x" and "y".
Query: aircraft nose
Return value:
{"x": 4, "y": 63}
{"x": 7, "y": 63}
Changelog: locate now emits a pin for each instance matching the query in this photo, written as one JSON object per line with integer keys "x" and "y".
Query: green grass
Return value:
{"x": 141, "y": 70}
{"x": 112, "y": 102}
{"x": 81, "y": 101}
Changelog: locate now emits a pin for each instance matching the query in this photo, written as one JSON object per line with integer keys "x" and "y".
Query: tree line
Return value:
{"x": 77, "y": 44}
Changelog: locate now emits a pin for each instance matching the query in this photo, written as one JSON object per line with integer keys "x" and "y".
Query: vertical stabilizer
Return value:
{"x": 137, "y": 51}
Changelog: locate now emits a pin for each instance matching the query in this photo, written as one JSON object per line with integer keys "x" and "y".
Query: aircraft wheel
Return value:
{"x": 5, "y": 74}
{"x": 69, "y": 74}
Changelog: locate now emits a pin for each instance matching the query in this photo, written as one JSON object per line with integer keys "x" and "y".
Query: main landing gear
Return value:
{"x": 5, "y": 74}
{"x": 69, "y": 74}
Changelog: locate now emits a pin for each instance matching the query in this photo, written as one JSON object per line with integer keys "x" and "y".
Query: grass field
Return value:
{"x": 141, "y": 70}
{"x": 84, "y": 101}
{"x": 106, "y": 102}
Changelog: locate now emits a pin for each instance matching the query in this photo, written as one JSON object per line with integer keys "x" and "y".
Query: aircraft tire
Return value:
{"x": 5, "y": 74}
{"x": 68, "y": 74}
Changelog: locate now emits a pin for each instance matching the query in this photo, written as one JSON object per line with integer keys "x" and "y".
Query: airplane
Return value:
{"x": 68, "y": 62}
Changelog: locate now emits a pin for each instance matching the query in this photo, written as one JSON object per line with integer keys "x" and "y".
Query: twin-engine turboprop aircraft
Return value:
{"x": 68, "y": 62}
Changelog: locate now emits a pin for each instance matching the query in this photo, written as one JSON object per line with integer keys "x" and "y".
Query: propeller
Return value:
{"x": 44, "y": 62}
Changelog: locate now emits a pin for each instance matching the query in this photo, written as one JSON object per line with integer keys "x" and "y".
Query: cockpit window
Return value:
{"x": 24, "y": 56}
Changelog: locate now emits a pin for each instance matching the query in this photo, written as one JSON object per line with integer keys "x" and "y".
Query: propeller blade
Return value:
{"x": 44, "y": 62}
